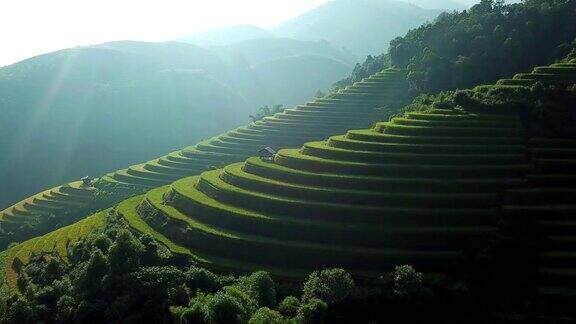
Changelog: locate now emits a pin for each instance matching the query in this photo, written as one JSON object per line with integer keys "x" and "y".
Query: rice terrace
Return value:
{"x": 331, "y": 161}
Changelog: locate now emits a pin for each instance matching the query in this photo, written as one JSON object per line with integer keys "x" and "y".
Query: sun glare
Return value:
{"x": 32, "y": 27}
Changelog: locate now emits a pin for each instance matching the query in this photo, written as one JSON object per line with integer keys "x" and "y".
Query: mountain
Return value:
{"x": 227, "y": 35}
{"x": 362, "y": 27}
{"x": 260, "y": 50}
{"x": 64, "y": 110}
{"x": 443, "y": 4}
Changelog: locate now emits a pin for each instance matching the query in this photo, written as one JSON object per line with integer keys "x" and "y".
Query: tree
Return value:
{"x": 312, "y": 312}
{"x": 289, "y": 307}
{"x": 224, "y": 309}
{"x": 124, "y": 254}
{"x": 265, "y": 315}
{"x": 90, "y": 280}
{"x": 261, "y": 288}
{"x": 407, "y": 281}
{"x": 332, "y": 285}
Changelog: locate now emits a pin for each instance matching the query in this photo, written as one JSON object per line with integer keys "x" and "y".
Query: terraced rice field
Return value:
{"x": 559, "y": 73}
{"x": 418, "y": 189}
{"x": 354, "y": 106}
{"x": 550, "y": 202}
{"x": 68, "y": 197}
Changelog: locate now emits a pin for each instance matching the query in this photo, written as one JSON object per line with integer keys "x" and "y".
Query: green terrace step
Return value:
{"x": 213, "y": 182}
{"x": 269, "y": 170}
{"x": 127, "y": 210}
{"x": 191, "y": 166}
{"x": 313, "y": 120}
{"x": 294, "y": 159}
{"x": 156, "y": 166}
{"x": 213, "y": 240}
{"x": 569, "y": 69}
{"x": 392, "y": 128}
{"x": 384, "y": 232}
{"x": 341, "y": 141}
{"x": 478, "y": 123}
{"x": 323, "y": 150}
{"x": 140, "y": 171}
{"x": 547, "y": 77}
{"x": 124, "y": 177}
{"x": 372, "y": 135}
{"x": 564, "y": 65}
{"x": 324, "y": 113}
{"x": 516, "y": 82}
{"x": 448, "y": 117}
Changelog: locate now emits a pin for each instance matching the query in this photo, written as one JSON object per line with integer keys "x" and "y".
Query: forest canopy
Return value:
{"x": 478, "y": 46}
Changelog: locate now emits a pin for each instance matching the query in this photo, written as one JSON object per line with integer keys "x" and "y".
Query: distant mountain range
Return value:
{"x": 131, "y": 100}
{"x": 359, "y": 27}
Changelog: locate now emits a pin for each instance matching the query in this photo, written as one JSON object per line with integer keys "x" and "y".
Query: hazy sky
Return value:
{"x": 32, "y": 27}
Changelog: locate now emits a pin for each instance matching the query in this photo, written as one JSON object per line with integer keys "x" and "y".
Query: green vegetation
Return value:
{"x": 113, "y": 275}
{"x": 265, "y": 111}
{"x": 491, "y": 40}
{"x": 420, "y": 189}
{"x": 355, "y": 107}
{"x": 55, "y": 208}
{"x": 454, "y": 187}
{"x": 64, "y": 110}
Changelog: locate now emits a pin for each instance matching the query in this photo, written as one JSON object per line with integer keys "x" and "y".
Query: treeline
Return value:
{"x": 120, "y": 276}
{"x": 489, "y": 41}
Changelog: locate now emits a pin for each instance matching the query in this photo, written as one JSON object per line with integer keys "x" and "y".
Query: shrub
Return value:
{"x": 202, "y": 279}
{"x": 332, "y": 285}
{"x": 246, "y": 301}
{"x": 196, "y": 312}
{"x": 265, "y": 315}
{"x": 289, "y": 307}
{"x": 312, "y": 312}
{"x": 407, "y": 281}
{"x": 260, "y": 286}
{"x": 224, "y": 309}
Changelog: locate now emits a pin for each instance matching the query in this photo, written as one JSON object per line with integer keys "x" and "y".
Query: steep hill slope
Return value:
{"x": 419, "y": 189}
{"x": 63, "y": 110}
{"x": 488, "y": 42}
{"x": 355, "y": 106}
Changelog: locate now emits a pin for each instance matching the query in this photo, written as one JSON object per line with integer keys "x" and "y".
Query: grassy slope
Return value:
{"x": 54, "y": 241}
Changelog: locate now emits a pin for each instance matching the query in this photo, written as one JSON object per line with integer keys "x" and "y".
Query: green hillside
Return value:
{"x": 459, "y": 183}
{"x": 419, "y": 189}
{"x": 63, "y": 110}
{"x": 490, "y": 41}
{"x": 355, "y": 106}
